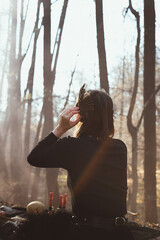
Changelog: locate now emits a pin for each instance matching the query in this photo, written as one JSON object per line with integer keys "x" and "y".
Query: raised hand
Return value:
{"x": 65, "y": 122}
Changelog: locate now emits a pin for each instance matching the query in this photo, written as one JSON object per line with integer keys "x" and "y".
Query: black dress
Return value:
{"x": 97, "y": 173}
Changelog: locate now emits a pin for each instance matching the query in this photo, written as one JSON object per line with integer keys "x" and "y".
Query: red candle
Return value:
{"x": 2, "y": 213}
{"x": 60, "y": 200}
{"x": 50, "y": 199}
{"x": 65, "y": 200}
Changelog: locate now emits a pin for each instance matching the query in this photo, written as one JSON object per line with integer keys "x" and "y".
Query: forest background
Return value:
{"x": 49, "y": 49}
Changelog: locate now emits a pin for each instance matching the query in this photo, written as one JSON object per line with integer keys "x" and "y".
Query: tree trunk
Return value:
{"x": 49, "y": 79}
{"x": 3, "y": 136}
{"x": 30, "y": 85}
{"x": 150, "y": 195}
{"x": 122, "y": 100}
{"x": 134, "y": 172}
{"x": 51, "y": 174}
{"x": 19, "y": 60}
{"x": 47, "y": 101}
{"x": 36, "y": 177}
{"x": 133, "y": 130}
{"x": 13, "y": 98}
{"x": 5, "y": 57}
{"x": 104, "y": 83}
{"x": 18, "y": 76}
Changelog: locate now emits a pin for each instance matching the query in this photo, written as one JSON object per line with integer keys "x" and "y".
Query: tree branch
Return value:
{"x": 67, "y": 98}
{"x": 131, "y": 127}
{"x": 58, "y": 40}
{"x": 146, "y": 105}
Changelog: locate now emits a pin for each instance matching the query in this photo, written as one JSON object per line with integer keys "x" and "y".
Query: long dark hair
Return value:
{"x": 96, "y": 110}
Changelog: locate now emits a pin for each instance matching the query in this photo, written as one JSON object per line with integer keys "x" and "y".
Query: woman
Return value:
{"x": 96, "y": 164}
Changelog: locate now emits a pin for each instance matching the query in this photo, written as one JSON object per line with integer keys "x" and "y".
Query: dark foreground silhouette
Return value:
{"x": 60, "y": 225}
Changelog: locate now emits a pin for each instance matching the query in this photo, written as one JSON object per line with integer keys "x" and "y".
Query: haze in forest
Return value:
{"x": 44, "y": 63}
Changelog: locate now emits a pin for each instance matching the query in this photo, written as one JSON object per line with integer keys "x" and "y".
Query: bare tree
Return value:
{"x": 5, "y": 56}
{"x": 149, "y": 113}
{"x": 49, "y": 79}
{"x": 34, "y": 187}
{"x": 133, "y": 130}
{"x": 69, "y": 89}
{"x": 29, "y": 87}
{"x": 3, "y": 136}
{"x": 104, "y": 83}
{"x": 122, "y": 99}
{"x": 13, "y": 98}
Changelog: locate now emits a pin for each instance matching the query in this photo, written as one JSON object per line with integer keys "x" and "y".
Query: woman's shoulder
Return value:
{"x": 81, "y": 142}
{"x": 87, "y": 140}
{"x": 119, "y": 143}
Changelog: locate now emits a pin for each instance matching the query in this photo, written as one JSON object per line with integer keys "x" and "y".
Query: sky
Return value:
{"x": 79, "y": 45}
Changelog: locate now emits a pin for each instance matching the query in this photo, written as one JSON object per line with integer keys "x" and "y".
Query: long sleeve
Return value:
{"x": 51, "y": 152}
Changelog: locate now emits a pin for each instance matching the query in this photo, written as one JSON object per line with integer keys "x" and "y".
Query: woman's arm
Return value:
{"x": 52, "y": 151}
